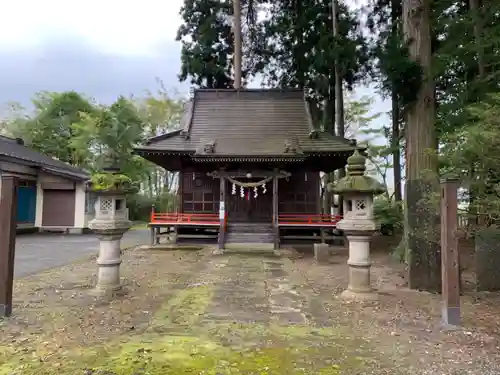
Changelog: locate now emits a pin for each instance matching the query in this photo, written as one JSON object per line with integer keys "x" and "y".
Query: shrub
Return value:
{"x": 389, "y": 214}
{"x": 139, "y": 205}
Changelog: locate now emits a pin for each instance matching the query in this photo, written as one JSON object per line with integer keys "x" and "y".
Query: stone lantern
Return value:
{"x": 110, "y": 223}
{"x": 358, "y": 224}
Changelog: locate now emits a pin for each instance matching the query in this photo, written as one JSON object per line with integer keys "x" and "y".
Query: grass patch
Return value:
{"x": 174, "y": 355}
{"x": 139, "y": 225}
{"x": 185, "y": 309}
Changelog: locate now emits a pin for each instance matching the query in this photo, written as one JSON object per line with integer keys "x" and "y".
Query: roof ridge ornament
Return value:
{"x": 206, "y": 146}
{"x": 292, "y": 146}
{"x": 209, "y": 147}
{"x": 314, "y": 134}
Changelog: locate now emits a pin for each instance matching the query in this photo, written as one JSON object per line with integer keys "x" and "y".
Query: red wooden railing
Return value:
{"x": 308, "y": 219}
{"x": 180, "y": 218}
{"x": 287, "y": 219}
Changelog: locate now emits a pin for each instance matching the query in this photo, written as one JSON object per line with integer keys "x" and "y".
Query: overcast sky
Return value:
{"x": 102, "y": 48}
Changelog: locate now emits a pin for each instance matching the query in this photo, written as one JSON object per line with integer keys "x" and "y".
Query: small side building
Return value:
{"x": 51, "y": 195}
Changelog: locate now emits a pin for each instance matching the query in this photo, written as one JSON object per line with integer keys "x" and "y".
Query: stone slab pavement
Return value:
{"x": 39, "y": 252}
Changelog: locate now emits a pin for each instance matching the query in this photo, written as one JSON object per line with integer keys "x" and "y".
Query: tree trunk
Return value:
{"x": 237, "y": 43}
{"x": 422, "y": 185}
{"x": 396, "y": 148}
{"x": 475, "y": 8}
{"x": 329, "y": 127}
{"x": 396, "y": 135}
{"x": 339, "y": 95}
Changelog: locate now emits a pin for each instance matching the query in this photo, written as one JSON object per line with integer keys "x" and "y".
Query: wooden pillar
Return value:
{"x": 157, "y": 235}
{"x": 222, "y": 213}
{"x": 152, "y": 236}
{"x": 152, "y": 230}
{"x": 275, "y": 213}
{"x": 180, "y": 193}
{"x": 8, "y": 213}
{"x": 449, "y": 253}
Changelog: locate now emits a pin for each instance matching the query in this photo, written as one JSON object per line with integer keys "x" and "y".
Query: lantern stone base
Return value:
{"x": 321, "y": 252}
{"x": 109, "y": 234}
{"x": 217, "y": 251}
{"x": 349, "y": 295}
{"x": 359, "y": 288}
{"x": 109, "y": 263}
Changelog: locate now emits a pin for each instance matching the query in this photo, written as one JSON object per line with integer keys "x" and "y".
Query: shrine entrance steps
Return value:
{"x": 254, "y": 235}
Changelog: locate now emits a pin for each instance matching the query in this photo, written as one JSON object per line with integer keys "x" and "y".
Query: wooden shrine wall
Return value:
{"x": 200, "y": 193}
{"x": 250, "y": 208}
{"x": 300, "y": 194}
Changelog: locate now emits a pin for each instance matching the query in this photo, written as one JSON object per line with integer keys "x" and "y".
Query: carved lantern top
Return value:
{"x": 356, "y": 182}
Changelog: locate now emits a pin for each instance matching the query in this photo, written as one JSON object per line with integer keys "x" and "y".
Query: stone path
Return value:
{"x": 252, "y": 290}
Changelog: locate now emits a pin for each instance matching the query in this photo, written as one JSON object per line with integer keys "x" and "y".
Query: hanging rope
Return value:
{"x": 250, "y": 184}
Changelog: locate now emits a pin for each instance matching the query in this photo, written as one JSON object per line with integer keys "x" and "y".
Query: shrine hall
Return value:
{"x": 249, "y": 164}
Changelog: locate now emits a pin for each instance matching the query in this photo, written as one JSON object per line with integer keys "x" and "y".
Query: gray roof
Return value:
{"x": 248, "y": 122}
{"x": 16, "y": 150}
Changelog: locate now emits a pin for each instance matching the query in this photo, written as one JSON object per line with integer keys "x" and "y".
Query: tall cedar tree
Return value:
{"x": 422, "y": 185}
{"x": 207, "y": 43}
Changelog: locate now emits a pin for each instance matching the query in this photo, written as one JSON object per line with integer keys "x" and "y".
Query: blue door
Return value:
{"x": 26, "y": 202}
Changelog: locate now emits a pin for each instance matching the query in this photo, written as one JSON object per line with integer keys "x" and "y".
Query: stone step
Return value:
{"x": 249, "y": 247}
{"x": 253, "y": 237}
{"x": 250, "y": 227}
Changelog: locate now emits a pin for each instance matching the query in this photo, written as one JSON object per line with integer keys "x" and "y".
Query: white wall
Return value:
{"x": 80, "y": 219}
{"x": 39, "y": 204}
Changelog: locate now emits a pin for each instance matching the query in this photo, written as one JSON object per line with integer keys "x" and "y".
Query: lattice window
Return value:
{"x": 361, "y": 204}
{"x": 199, "y": 202}
{"x": 106, "y": 204}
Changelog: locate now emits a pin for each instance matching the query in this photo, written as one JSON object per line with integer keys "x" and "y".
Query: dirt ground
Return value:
{"x": 195, "y": 313}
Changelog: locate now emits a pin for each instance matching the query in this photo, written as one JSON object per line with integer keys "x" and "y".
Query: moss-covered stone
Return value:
{"x": 356, "y": 181}
{"x": 106, "y": 182}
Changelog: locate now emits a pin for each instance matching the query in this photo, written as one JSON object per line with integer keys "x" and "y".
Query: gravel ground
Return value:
{"x": 193, "y": 313}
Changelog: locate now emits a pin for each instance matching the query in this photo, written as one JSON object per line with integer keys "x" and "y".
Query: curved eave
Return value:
{"x": 340, "y": 152}
{"x": 144, "y": 152}
{"x": 292, "y": 159}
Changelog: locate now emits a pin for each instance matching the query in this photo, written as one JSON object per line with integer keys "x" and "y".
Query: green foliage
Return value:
{"x": 207, "y": 43}
{"x": 49, "y": 128}
{"x": 472, "y": 153}
{"x": 459, "y": 51}
{"x": 139, "y": 205}
{"x": 301, "y": 49}
{"x": 78, "y": 131}
{"x": 389, "y": 214}
{"x": 111, "y": 182}
{"x": 394, "y": 71}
